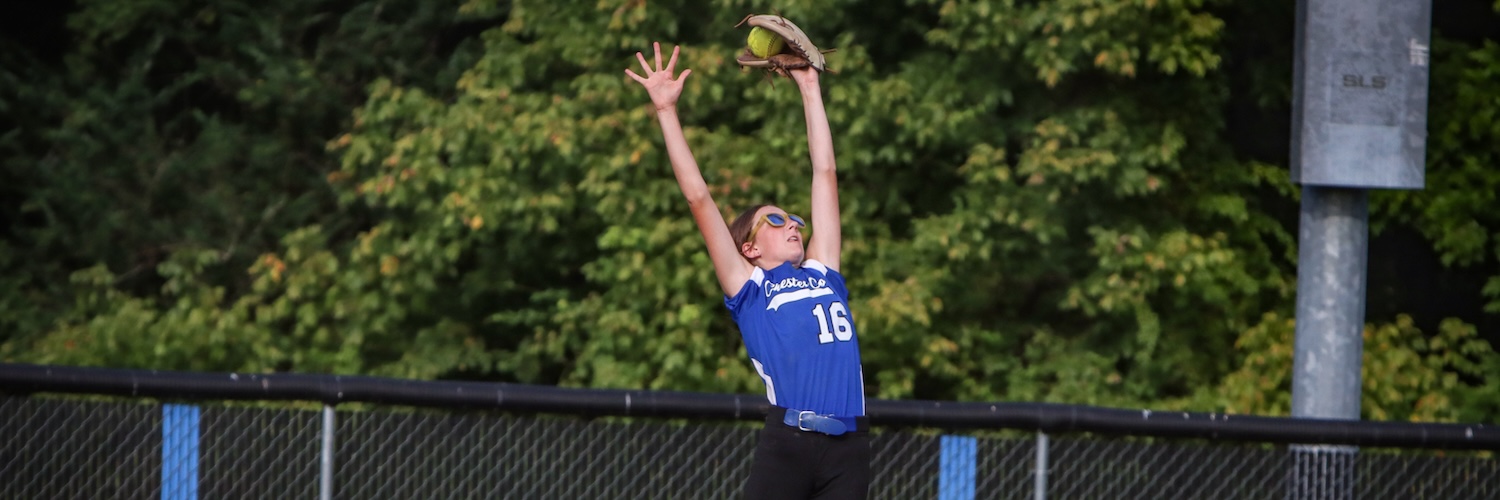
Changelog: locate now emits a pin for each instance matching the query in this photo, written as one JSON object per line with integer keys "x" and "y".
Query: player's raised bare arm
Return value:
{"x": 731, "y": 269}
{"x": 827, "y": 243}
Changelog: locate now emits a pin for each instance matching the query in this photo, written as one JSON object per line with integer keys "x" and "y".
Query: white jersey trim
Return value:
{"x": 771, "y": 386}
{"x": 814, "y": 264}
{"x": 783, "y": 298}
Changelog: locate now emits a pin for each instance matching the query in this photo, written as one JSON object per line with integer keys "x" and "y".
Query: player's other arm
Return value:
{"x": 731, "y": 269}
{"x": 827, "y": 235}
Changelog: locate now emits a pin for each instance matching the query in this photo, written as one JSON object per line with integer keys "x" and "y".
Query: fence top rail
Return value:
{"x": 1043, "y": 417}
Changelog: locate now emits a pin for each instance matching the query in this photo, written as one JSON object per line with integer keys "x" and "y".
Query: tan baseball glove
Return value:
{"x": 798, "y": 52}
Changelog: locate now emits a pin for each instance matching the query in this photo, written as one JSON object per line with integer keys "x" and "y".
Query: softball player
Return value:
{"x": 791, "y": 305}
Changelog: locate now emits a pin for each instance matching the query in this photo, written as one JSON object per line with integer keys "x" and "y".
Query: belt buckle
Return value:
{"x": 802, "y": 419}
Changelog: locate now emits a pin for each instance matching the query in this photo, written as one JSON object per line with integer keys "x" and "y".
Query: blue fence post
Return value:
{"x": 957, "y": 464}
{"x": 179, "y": 452}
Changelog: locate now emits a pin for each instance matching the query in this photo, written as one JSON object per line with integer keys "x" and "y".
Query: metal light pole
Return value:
{"x": 1359, "y": 122}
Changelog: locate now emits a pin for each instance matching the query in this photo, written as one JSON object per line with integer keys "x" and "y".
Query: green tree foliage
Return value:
{"x": 176, "y": 143}
{"x": 1046, "y": 250}
{"x": 1444, "y": 374}
{"x": 1457, "y": 210}
{"x": 1039, "y": 199}
{"x": 1406, "y": 374}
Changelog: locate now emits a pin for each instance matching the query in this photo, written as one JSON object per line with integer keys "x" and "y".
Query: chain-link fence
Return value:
{"x": 124, "y": 448}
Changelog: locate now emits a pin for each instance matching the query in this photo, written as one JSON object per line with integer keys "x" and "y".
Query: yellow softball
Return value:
{"x": 765, "y": 43}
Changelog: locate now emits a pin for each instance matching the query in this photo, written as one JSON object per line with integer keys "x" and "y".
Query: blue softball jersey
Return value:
{"x": 796, "y": 325}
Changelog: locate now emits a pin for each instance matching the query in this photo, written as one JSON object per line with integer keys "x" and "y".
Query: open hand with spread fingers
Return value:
{"x": 664, "y": 89}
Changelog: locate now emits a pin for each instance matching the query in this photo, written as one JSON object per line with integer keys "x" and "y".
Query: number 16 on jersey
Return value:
{"x": 833, "y": 323}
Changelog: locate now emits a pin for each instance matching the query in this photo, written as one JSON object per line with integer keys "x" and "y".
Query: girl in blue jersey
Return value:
{"x": 791, "y": 305}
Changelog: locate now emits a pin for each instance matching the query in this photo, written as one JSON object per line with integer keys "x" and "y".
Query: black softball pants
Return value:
{"x": 792, "y": 463}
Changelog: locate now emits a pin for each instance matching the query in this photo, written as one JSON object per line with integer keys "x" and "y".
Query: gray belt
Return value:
{"x": 812, "y": 422}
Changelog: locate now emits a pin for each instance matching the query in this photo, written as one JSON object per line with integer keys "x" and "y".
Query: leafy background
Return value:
{"x": 1080, "y": 201}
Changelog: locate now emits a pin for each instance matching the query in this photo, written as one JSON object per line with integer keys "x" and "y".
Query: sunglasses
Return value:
{"x": 775, "y": 220}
